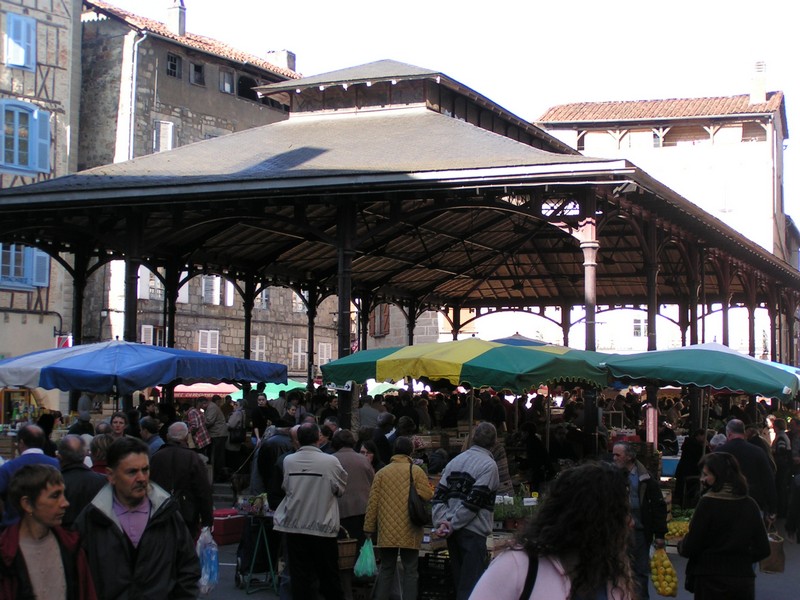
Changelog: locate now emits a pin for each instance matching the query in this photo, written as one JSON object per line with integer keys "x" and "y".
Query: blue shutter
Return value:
{"x": 29, "y": 43}
{"x": 41, "y": 268}
{"x": 40, "y": 161}
{"x": 20, "y": 42}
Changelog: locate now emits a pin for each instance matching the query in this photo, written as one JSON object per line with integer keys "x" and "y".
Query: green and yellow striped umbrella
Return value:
{"x": 476, "y": 362}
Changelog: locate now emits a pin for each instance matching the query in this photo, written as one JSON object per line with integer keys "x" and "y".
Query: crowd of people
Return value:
{"x": 134, "y": 490}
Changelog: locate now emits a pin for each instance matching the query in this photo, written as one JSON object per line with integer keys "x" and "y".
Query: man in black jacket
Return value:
{"x": 755, "y": 466}
{"x": 182, "y": 473}
{"x": 81, "y": 484}
{"x": 136, "y": 541}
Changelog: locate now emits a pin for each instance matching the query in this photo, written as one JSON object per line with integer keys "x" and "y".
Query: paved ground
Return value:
{"x": 782, "y": 586}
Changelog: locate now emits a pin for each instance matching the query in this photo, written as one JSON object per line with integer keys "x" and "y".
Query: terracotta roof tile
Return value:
{"x": 644, "y": 110}
{"x": 191, "y": 40}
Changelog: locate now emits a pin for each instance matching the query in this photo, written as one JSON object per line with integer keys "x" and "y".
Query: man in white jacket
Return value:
{"x": 309, "y": 516}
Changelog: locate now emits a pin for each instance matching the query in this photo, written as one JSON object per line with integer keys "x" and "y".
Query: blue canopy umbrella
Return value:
{"x": 123, "y": 367}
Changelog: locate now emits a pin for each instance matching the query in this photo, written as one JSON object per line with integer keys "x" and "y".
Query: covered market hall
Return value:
{"x": 391, "y": 183}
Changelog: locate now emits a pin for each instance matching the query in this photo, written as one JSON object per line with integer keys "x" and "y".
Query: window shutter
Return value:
{"x": 372, "y": 323}
{"x": 147, "y": 334}
{"x": 385, "y": 320}
{"x": 21, "y": 42}
{"x": 41, "y": 268}
{"x": 229, "y": 291}
{"x": 213, "y": 341}
{"x": 143, "y": 291}
{"x": 202, "y": 341}
{"x": 210, "y": 289}
{"x": 42, "y": 156}
{"x": 29, "y": 43}
{"x": 324, "y": 353}
{"x": 183, "y": 292}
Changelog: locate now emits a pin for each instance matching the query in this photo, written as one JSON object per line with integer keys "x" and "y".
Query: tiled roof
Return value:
{"x": 191, "y": 40}
{"x": 647, "y": 110}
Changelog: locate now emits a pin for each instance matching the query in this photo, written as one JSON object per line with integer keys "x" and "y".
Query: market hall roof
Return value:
{"x": 452, "y": 203}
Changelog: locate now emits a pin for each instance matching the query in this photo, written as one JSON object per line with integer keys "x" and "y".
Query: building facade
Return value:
{"x": 39, "y": 99}
{"x": 150, "y": 87}
{"x": 725, "y": 154}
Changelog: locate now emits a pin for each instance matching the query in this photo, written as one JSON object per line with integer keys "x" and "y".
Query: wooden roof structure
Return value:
{"x": 391, "y": 183}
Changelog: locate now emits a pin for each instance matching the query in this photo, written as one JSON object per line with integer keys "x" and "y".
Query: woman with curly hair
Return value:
{"x": 575, "y": 548}
{"x": 726, "y": 534}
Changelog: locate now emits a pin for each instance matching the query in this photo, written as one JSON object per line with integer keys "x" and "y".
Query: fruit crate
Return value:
{"x": 435, "y": 578}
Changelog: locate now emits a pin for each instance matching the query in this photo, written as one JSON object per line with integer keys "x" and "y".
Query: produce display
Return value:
{"x": 663, "y": 574}
{"x": 677, "y": 528}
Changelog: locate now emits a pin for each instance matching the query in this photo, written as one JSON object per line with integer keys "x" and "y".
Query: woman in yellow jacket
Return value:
{"x": 387, "y": 513}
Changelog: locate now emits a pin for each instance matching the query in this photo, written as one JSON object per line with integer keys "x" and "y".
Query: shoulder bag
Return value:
{"x": 417, "y": 511}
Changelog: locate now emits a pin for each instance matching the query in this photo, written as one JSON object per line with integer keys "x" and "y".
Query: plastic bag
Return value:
{"x": 663, "y": 574}
{"x": 208, "y": 553}
{"x": 365, "y": 565}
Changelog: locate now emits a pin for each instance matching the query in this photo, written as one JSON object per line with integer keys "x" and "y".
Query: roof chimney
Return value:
{"x": 282, "y": 58}
{"x": 176, "y": 18}
{"x": 758, "y": 85}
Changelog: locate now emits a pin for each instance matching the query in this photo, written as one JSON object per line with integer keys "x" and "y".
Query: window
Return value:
{"x": 258, "y": 348}
{"x": 262, "y": 300}
{"x": 245, "y": 88}
{"x": 197, "y": 75}
{"x": 174, "y": 65}
{"x": 212, "y": 289}
{"x": 379, "y": 321}
{"x": 183, "y": 291}
{"x": 156, "y": 288}
{"x": 162, "y": 136}
{"x": 324, "y": 356}
{"x": 299, "y": 354}
{"x": 208, "y": 341}
{"x": 153, "y": 335}
{"x": 640, "y": 328}
{"x": 20, "y": 46}
{"x": 23, "y": 267}
{"x": 26, "y": 138}
{"x": 226, "y": 82}
{"x": 299, "y": 303}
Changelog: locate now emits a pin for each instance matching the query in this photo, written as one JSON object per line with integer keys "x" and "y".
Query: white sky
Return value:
{"x": 529, "y": 55}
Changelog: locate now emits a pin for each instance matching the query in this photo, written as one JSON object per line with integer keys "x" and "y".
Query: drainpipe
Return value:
{"x": 134, "y": 79}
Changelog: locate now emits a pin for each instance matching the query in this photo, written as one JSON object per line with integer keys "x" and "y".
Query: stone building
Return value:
{"x": 149, "y": 87}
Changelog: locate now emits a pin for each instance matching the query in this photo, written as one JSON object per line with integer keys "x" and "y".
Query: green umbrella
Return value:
{"x": 705, "y": 365}
{"x": 473, "y": 361}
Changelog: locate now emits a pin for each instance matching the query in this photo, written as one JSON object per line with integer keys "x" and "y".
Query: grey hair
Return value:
{"x": 71, "y": 449}
{"x": 485, "y": 435}
{"x": 629, "y": 449}
{"x": 177, "y": 432}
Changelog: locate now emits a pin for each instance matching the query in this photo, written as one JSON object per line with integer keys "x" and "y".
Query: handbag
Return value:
{"x": 417, "y": 511}
{"x": 776, "y": 560}
{"x": 236, "y": 435}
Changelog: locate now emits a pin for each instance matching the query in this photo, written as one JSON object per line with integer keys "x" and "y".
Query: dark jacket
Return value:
{"x": 183, "y": 473}
{"x": 756, "y": 468}
{"x": 726, "y": 536}
{"x": 652, "y": 505}
{"x": 14, "y": 580}
{"x": 81, "y": 484}
{"x": 163, "y": 566}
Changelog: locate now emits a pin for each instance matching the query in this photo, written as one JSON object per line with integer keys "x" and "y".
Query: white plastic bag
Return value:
{"x": 208, "y": 553}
